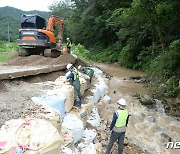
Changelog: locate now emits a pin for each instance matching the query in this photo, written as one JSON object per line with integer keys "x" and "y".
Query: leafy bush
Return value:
{"x": 8, "y": 47}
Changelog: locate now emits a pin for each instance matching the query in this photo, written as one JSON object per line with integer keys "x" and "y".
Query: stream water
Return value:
{"x": 150, "y": 129}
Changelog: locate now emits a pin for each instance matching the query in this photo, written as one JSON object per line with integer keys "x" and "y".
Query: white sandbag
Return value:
{"x": 54, "y": 100}
{"x": 68, "y": 91}
{"x": 74, "y": 125}
{"x": 102, "y": 88}
{"x": 94, "y": 119}
{"x": 67, "y": 138}
{"x": 65, "y": 150}
{"x": 83, "y": 85}
{"x": 38, "y": 136}
{"x": 81, "y": 114}
{"x": 106, "y": 99}
{"x": 89, "y": 107}
{"x": 89, "y": 135}
{"x": 61, "y": 80}
{"x": 97, "y": 71}
{"x": 96, "y": 95}
{"x": 87, "y": 148}
{"x": 42, "y": 111}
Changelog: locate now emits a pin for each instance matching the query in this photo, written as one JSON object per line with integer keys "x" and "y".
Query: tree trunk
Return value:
{"x": 153, "y": 38}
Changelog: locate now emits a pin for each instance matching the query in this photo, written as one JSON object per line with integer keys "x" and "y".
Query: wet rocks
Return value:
{"x": 165, "y": 138}
{"x": 146, "y": 100}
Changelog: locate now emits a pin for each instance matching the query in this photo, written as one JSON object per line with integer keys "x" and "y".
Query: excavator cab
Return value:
{"x": 37, "y": 38}
{"x": 32, "y": 21}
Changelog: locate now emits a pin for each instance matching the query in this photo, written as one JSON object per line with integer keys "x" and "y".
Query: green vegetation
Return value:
{"x": 8, "y": 47}
{"x": 10, "y": 17}
{"x": 138, "y": 34}
{"x": 4, "y": 57}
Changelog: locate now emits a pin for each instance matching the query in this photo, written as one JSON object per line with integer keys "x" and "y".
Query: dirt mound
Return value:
{"x": 35, "y": 60}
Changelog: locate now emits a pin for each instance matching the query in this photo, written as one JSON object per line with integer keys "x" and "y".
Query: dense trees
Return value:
{"x": 140, "y": 34}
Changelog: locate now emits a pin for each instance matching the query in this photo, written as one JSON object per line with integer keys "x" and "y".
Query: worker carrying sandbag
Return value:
{"x": 87, "y": 70}
{"x": 118, "y": 126}
{"x": 69, "y": 44}
{"x": 73, "y": 78}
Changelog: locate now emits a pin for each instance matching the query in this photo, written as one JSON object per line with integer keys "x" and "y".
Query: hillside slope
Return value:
{"x": 11, "y": 16}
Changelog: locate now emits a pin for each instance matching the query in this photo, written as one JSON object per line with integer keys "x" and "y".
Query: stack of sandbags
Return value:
{"x": 68, "y": 91}
{"x": 96, "y": 95}
{"x": 81, "y": 114}
{"x": 94, "y": 119}
{"x": 40, "y": 111}
{"x": 64, "y": 87}
{"x": 74, "y": 125}
{"x": 29, "y": 136}
{"x": 52, "y": 99}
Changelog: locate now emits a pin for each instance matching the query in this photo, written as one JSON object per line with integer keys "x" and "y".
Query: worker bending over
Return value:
{"x": 73, "y": 78}
{"x": 87, "y": 70}
{"x": 118, "y": 126}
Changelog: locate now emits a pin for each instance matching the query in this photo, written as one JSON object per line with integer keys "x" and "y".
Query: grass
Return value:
{"x": 5, "y": 57}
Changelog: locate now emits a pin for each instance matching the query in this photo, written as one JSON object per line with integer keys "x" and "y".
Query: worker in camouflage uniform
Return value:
{"x": 73, "y": 78}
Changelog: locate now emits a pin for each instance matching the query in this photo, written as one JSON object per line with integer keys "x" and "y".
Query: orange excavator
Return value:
{"x": 35, "y": 38}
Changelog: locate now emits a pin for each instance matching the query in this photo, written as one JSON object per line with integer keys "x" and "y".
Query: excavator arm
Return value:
{"x": 55, "y": 20}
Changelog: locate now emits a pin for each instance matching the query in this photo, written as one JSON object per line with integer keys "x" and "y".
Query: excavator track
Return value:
{"x": 54, "y": 53}
{"x": 23, "y": 52}
{"x": 47, "y": 53}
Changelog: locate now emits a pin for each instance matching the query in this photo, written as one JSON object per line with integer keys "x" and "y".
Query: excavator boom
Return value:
{"x": 50, "y": 26}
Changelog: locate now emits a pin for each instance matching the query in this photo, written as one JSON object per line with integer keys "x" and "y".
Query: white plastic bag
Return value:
{"x": 56, "y": 101}
{"x": 96, "y": 95}
{"x": 87, "y": 148}
{"x": 89, "y": 135}
{"x": 75, "y": 125}
{"x": 106, "y": 99}
{"x": 94, "y": 119}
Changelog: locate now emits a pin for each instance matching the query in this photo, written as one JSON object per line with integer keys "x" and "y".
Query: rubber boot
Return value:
{"x": 78, "y": 104}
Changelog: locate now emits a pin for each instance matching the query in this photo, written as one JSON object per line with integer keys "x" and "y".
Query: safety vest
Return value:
{"x": 69, "y": 43}
{"x": 122, "y": 117}
{"x": 87, "y": 71}
{"x": 76, "y": 75}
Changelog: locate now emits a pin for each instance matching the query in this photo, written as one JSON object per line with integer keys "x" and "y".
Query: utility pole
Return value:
{"x": 8, "y": 34}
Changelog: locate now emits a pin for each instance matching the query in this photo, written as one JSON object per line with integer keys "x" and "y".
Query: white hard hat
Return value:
{"x": 122, "y": 102}
{"x": 68, "y": 38}
{"x": 69, "y": 66}
{"x": 79, "y": 67}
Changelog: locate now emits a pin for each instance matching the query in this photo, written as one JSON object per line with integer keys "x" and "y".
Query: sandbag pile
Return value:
{"x": 40, "y": 111}
{"x": 54, "y": 125}
{"x": 29, "y": 136}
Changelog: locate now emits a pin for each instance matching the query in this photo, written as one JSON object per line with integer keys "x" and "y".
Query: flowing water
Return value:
{"x": 150, "y": 129}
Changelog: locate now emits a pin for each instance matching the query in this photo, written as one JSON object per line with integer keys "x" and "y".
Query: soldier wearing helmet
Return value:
{"x": 118, "y": 126}
{"x": 73, "y": 77}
